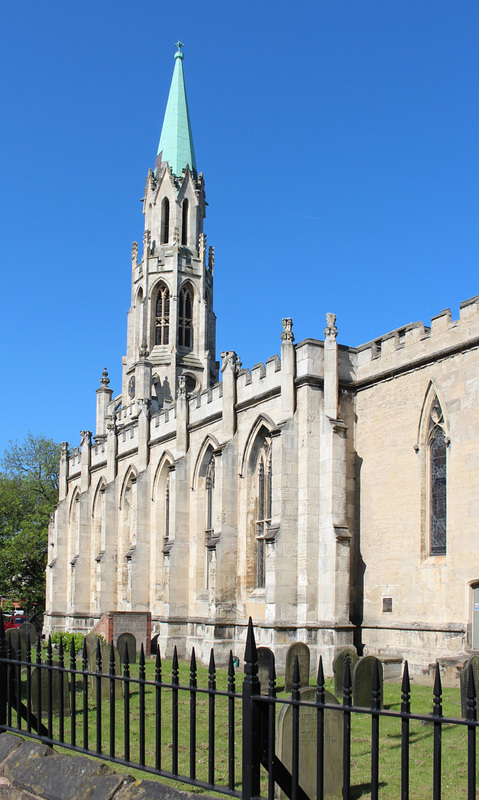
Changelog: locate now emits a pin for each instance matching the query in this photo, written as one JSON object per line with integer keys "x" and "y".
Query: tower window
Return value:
{"x": 165, "y": 221}
{"x": 184, "y": 223}
{"x": 186, "y": 317}
{"x": 162, "y": 316}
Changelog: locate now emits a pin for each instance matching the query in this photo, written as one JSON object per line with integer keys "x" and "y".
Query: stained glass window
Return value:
{"x": 437, "y": 480}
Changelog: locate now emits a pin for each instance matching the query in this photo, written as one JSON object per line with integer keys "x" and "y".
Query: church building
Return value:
{"x": 331, "y": 493}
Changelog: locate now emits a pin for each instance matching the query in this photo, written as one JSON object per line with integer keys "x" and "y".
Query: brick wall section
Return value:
{"x": 105, "y": 628}
{"x": 31, "y": 770}
{"x": 115, "y": 623}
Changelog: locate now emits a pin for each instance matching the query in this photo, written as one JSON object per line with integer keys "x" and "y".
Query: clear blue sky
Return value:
{"x": 339, "y": 143}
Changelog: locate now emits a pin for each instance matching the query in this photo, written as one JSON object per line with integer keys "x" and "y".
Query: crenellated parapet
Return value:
{"x": 408, "y": 346}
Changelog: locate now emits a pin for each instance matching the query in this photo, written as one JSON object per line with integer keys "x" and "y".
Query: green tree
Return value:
{"x": 28, "y": 495}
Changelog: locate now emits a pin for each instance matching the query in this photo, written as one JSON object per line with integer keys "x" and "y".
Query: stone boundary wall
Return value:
{"x": 30, "y": 770}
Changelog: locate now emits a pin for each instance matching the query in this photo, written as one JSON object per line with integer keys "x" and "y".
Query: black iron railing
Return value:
{"x": 94, "y": 710}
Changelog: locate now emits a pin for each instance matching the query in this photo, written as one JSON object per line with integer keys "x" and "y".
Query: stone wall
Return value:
{"x": 30, "y": 770}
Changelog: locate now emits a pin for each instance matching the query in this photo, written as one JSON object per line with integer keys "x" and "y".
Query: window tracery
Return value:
{"x": 263, "y": 520}
{"x": 186, "y": 317}
{"x": 162, "y": 316}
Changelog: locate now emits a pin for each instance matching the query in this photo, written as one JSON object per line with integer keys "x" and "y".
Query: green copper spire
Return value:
{"x": 176, "y": 140}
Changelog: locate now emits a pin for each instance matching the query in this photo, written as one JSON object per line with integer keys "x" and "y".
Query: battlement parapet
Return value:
{"x": 415, "y": 341}
{"x": 163, "y": 423}
{"x": 206, "y": 404}
{"x": 262, "y": 379}
{"x": 74, "y": 461}
{"x": 128, "y": 439}
{"x": 98, "y": 452}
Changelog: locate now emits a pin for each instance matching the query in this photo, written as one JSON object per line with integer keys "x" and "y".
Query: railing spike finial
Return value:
{"x": 142, "y": 655}
{"x": 72, "y": 649}
{"x": 212, "y": 665}
{"x": 112, "y": 658}
{"x": 296, "y": 675}
{"x": 175, "y": 660}
{"x": 193, "y": 661}
{"x": 406, "y": 684}
{"x": 320, "y": 672}
{"x": 231, "y": 668}
{"x": 471, "y": 695}
{"x": 437, "y": 699}
{"x": 250, "y": 653}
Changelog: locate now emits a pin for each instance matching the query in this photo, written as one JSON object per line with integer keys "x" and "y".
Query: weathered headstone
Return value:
{"x": 16, "y": 636}
{"x": 308, "y": 754}
{"x": 302, "y": 651}
{"x": 363, "y": 676}
{"x": 44, "y": 690}
{"x": 339, "y": 664}
{"x": 126, "y": 640}
{"x": 91, "y": 640}
{"x": 464, "y": 680}
{"x": 265, "y": 659}
{"x": 30, "y": 630}
{"x": 105, "y": 650}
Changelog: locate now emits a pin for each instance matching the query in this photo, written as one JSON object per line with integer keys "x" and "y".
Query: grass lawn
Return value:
{"x": 454, "y": 737}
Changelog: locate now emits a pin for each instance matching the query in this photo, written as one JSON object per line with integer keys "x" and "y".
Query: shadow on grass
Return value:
{"x": 363, "y": 790}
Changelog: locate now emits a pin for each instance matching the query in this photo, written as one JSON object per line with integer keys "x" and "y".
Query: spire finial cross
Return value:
{"x": 179, "y": 45}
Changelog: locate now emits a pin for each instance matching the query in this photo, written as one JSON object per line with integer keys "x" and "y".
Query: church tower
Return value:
{"x": 171, "y": 324}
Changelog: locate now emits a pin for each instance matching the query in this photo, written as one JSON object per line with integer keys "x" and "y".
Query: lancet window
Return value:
{"x": 186, "y": 317}
{"x": 184, "y": 223}
{"x": 162, "y": 316}
{"x": 437, "y": 463}
{"x": 263, "y": 519}
{"x": 209, "y": 530}
{"x": 166, "y": 535}
{"x": 165, "y": 221}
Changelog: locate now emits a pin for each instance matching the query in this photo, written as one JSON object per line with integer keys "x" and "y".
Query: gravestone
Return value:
{"x": 333, "y": 745}
{"x": 302, "y": 651}
{"x": 265, "y": 659}
{"x": 30, "y": 630}
{"x": 464, "y": 681}
{"x": 126, "y": 640}
{"x": 339, "y": 664}
{"x": 105, "y": 668}
{"x": 91, "y": 640}
{"x": 44, "y": 690}
{"x": 16, "y": 636}
{"x": 154, "y": 645}
{"x": 363, "y": 674}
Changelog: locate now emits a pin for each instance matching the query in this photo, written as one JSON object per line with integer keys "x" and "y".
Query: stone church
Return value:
{"x": 331, "y": 493}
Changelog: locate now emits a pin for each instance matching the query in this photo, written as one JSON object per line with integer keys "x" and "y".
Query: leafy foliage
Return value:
{"x": 28, "y": 494}
{"x": 67, "y": 640}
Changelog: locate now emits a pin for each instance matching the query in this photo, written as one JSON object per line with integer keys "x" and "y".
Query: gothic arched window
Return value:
{"x": 165, "y": 221}
{"x": 209, "y": 530}
{"x": 263, "y": 519}
{"x": 162, "y": 315}
{"x": 437, "y": 449}
{"x": 185, "y": 338}
{"x": 184, "y": 223}
{"x": 166, "y": 535}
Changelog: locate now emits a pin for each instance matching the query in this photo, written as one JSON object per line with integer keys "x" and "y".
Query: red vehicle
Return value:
{"x": 13, "y": 620}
